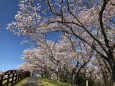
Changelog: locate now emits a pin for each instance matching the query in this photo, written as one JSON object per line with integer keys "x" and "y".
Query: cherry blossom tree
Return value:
{"x": 59, "y": 57}
{"x": 91, "y": 23}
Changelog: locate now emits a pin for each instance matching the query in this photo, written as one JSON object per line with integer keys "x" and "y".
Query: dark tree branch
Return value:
{"x": 101, "y": 23}
{"x": 80, "y": 24}
{"x": 51, "y": 9}
{"x": 82, "y": 39}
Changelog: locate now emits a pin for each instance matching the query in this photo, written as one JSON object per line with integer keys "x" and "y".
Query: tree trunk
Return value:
{"x": 58, "y": 78}
{"x": 113, "y": 74}
{"x": 72, "y": 80}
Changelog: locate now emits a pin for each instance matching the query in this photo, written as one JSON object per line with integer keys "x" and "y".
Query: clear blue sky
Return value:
{"x": 10, "y": 45}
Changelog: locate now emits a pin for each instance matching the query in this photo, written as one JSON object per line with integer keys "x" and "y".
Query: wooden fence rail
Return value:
{"x": 11, "y": 77}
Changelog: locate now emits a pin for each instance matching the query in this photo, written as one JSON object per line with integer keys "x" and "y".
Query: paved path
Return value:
{"x": 31, "y": 82}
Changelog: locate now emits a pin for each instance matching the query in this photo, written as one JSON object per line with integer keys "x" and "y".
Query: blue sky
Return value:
{"x": 10, "y": 45}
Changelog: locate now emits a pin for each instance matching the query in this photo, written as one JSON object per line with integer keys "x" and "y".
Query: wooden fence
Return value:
{"x": 11, "y": 77}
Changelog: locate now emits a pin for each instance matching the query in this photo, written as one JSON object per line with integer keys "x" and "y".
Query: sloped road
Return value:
{"x": 31, "y": 82}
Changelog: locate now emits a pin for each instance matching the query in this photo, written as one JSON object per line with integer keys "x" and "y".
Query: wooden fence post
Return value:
{"x": 15, "y": 78}
{"x": 8, "y": 78}
{"x": 1, "y": 80}
{"x": 18, "y": 76}
{"x": 12, "y": 82}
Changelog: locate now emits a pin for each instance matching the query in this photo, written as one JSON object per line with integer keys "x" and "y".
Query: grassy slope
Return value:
{"x": 46, "y": 82}
{"x": 22, "y": 82}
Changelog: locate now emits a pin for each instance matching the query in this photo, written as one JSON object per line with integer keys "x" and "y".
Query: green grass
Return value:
{"x": 47, "y": 82}
{"x": 22, "y": 82}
